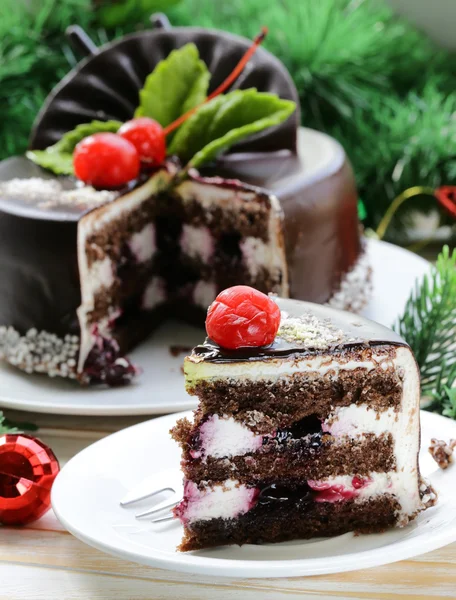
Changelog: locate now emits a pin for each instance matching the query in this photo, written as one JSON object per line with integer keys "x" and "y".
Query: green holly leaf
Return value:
{"x": 177, "y": 84}
{"x": 225, "y": 121}
{"x": 58, "y": 158}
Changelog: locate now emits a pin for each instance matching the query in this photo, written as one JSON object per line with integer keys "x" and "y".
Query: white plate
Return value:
{"x": 160, "y": 389}
{"x": 86, "y": 496}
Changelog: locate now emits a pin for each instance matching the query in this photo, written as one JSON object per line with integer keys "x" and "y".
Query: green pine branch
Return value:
{"x": 429, "y": 326}
{"x": 443, "y": 398}
{"x": 395, "y": 147}
{"x": 6, "y": 426}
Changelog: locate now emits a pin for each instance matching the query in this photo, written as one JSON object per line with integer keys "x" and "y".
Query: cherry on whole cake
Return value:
{"x": 106, "y": 161}
{"x": 100, "y": 268}
{"x": 148, "y": 137}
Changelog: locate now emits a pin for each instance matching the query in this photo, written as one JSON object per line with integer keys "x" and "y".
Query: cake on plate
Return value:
{"x": 91, "y": 262}
{"x": 311, "y": 432}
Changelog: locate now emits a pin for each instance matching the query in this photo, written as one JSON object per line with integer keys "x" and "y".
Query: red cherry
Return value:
{"x": 27, "y": 471}
{"x": 242, "y": 316}
{"x": 106, "y": 160}
{"x": 147, "y": 137}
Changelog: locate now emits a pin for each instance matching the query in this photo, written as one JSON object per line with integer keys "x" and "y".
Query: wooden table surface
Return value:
{"x": 42, "y": 561}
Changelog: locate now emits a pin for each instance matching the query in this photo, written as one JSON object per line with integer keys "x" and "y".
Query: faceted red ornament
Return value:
{"x": 27, "y": 471}
{"x": 446, "y": 195}
{"x": 241, "y": 316}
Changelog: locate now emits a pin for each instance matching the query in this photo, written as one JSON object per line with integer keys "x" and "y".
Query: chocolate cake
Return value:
{"x": 315, "y": 435}
{"x": 88, "y": 273}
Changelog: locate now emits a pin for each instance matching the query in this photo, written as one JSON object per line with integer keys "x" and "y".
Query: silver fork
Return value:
{"x": 152, "y": 486}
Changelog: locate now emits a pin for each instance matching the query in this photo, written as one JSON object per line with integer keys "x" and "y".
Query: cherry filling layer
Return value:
{"x": 105, "y": 364}
{"x": 308, "y": 426}
{"x": 230, "y": 499}
{"x": 222, "y": 436}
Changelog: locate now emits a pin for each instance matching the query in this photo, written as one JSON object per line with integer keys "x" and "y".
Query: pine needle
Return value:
{"x": 429, "y": 326}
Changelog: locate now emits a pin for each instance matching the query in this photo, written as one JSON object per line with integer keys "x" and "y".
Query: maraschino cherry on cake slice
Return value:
{"x": 241, "y": 316}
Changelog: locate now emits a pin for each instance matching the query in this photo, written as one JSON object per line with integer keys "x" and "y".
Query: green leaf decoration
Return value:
{"x": 429, "y": 326}
{"x": 177, "y": 84}
{"x": 58, "y": 158}
{"x": 60, "y": 163}
{"x": 225, "y": 121}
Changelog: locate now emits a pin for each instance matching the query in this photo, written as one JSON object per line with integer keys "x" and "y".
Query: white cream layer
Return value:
{"x": 143, "y": 243}
{"x": 229, "y": 499}
{"x": 225, "y": 500}
{"x": 197, "y": 242}
{"x": 222, "y": 437}
{"x": 204, "y": 293}
{"x": 154, "y": 294}
{"x": 101, "y": 274}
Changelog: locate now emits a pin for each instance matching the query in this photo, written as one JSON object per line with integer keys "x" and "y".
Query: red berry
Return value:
{"x": 106, "y": 160}
{"x": 147, "y": 137}
{"x": 241, "y": 316}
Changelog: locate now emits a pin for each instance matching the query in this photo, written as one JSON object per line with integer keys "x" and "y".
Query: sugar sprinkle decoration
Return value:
{"x": 40, "y": 352}
{"x": 310, "y": 332}
{"x": 49, "y": 193}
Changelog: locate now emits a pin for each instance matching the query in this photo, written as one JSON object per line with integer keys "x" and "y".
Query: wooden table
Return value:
{"x": 43, "y": 561}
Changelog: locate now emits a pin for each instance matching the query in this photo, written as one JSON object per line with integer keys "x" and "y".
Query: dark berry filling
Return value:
{"x": 105, "y": 364}
{"x": 276, "y": 493}
{"x": 309, "y": 428}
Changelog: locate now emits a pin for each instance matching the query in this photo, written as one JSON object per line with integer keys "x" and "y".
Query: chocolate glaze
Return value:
{"x": 358, "y": 332}
{"x": 39, "y": 278}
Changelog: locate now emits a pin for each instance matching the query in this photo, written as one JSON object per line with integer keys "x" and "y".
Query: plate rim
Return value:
{"x": 194, "y": 564}
{"x": 127, "y": 409}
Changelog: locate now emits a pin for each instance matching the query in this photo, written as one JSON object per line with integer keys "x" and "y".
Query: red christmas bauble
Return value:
{"x": 27, "y": 471}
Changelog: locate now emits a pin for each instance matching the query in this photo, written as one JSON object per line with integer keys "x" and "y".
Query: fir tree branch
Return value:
{"x": 6, "y": 426}
{"x": 429, "y": 326}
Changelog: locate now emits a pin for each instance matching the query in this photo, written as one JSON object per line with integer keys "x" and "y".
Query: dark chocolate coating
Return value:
{"x": 106, "y": 85}
{"x": 39, "y": 279}
{"x": 359, "y": 332}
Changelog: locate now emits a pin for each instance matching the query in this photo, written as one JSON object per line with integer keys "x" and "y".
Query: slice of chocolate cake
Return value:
{"x": 314, "y": 435}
